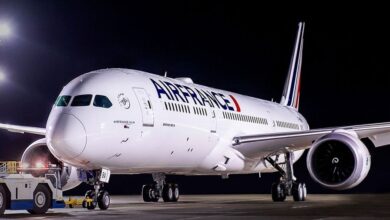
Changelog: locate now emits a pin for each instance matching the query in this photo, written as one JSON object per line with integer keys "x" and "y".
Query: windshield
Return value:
{"x": 102, "y": 101}
{"x": 82, "y": 100}
{"x": 62, "y": 101}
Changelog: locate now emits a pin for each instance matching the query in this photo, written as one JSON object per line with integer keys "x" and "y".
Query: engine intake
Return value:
{"x": 38, "y": 154}
{"x": 339, "y": 160}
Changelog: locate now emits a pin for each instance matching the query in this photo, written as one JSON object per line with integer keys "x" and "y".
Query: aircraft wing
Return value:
{"x": 23, "y": 129}
{"x": 261, "y": 145}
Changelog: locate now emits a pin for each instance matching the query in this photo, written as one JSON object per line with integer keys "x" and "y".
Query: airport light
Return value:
{"x": 2, "y": 76}
{"x": 5, "y": 30}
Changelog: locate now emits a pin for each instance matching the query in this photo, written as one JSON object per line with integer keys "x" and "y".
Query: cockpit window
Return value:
{"x": 63, "y": 100}
{"x": 102, "y": 101}
{"x": 82, "y": 100}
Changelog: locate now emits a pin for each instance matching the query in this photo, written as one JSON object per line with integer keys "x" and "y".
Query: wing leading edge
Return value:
{"x": 262, "y": 145}
{"x": 23, "y": 129}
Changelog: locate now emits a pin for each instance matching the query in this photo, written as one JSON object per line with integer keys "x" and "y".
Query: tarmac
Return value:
{"x": 366, "y": 206}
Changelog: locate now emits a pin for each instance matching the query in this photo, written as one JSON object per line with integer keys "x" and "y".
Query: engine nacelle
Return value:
{"x": 339, "y": 160}
{"x": 38, "y": 153}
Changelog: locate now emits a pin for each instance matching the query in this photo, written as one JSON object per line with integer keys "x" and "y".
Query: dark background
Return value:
{"x": 239, "y": 46}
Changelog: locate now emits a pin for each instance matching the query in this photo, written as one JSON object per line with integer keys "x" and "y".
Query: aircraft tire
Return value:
{"x": 167, "y": 193}
{"x": 103, "y": 200}
{"x": 3, "y": 200}
{"x": 147, "y": 192}
{"x": 176, "y": 193}
{"x": 278, "y": 193}
{"x": 41, "y": 200}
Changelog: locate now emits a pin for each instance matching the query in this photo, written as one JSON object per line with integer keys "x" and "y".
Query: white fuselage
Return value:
{"x": 159, "y": 124}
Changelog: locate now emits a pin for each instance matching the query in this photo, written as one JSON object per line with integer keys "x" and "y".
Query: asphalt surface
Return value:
{"x": 229, "y": 207}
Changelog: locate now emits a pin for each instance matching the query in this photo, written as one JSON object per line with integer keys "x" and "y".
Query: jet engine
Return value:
{"x": 37, "y": 155}
{"x": 339, "y": 160}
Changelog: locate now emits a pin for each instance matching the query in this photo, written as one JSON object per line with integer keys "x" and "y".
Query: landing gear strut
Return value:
{"x": 97, "y": 197}
{"x": 287, "y": 185}
{"x": 153, "y": 192}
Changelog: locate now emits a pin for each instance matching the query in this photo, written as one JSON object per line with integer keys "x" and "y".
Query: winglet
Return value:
{"x": 291, "y": 90}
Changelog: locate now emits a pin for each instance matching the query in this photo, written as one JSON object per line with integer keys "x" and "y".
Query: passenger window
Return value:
{"x": 102, "y": 101}
{"x": 82, "y": 100}
{"x": 63, "y": 100}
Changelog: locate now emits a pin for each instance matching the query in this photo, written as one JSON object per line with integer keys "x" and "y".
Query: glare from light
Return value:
{"x": 25, "y": 165}
{"x": 39, "y": 164}
{"x": 2, "y": 76}
{"x": 5, "y": 30}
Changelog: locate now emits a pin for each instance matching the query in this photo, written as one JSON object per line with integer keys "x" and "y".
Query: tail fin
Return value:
{"x": 291, "y": 90}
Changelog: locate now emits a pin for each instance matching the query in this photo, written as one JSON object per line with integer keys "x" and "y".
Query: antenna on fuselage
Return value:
{"x": 165, "y": 73}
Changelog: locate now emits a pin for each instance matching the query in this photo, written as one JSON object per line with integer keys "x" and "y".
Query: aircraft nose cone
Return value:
{"x": 68, "y": 136}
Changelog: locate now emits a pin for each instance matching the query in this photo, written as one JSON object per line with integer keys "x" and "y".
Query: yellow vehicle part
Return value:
{"x": 71, "y": 202}
{"x": 9, "y": 167}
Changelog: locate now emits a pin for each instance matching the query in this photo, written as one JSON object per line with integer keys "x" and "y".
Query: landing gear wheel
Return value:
{"x": 278, "y": 193}
{"x": 103, "y": 200}
{"x": 304, "y": 191}
{"x": 41, "y": 200}
{"x": 154, "y": 195}
{"x": 146, "y": 193}
{"x": 149, "y": 193}
{"x": 90, "y": 194}
{"x": 167, "y": 193}
{"x": 91, "y": 205}
{"x": 176, "y": 193}
{"x": 299, "y": 192}
{"x": 3, "y": 200}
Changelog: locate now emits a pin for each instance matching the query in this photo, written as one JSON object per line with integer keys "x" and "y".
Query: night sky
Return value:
{"x": 238, "y": 46}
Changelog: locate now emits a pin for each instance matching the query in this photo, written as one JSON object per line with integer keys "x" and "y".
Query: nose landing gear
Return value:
{"x": 153, "y": 192}
{"x": 100, "y": 199}
{"x": 97, "y": 197}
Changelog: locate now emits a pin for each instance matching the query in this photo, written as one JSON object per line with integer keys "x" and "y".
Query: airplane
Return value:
{"x": 124, "y": 121}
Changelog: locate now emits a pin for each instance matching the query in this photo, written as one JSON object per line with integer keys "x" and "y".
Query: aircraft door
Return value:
{"x": 146, "y": 107}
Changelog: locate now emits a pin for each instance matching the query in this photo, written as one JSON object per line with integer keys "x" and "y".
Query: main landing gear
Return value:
{"x": 153, "y": 192}
{"x": 287, "y": 185}
{"x": 97, "y": 197}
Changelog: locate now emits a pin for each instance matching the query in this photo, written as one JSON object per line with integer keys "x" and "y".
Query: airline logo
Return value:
{"x": 182, "y": 93}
